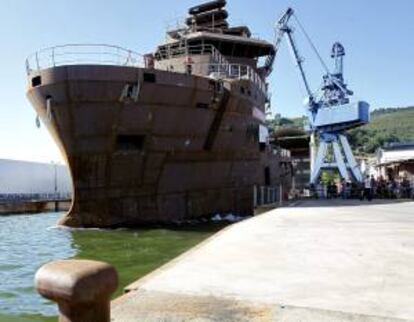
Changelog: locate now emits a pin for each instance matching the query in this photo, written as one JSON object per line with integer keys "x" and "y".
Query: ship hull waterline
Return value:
{"x": 177, "y": 149}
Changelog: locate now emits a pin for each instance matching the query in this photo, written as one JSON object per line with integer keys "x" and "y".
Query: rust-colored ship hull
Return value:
{"x": 186, "y": 147}
{"x": 167, "y": 137}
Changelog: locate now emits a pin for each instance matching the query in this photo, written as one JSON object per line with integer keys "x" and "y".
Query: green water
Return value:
{"x": 29, "y": 241}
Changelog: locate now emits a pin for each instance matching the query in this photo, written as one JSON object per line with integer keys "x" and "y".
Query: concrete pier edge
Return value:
{"x": 148, "y": 300}
{"x": 137, "y": 284}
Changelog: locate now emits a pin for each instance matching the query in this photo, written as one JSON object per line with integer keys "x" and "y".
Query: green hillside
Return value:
{"x": 387, "y": 125}
{"x": 281, "y": 122}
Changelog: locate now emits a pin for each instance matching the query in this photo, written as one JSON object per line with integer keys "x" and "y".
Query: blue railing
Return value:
{"x": 23, "y": 197}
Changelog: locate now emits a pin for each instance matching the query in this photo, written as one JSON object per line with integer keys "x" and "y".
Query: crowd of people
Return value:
{"x": 370, "y": 188}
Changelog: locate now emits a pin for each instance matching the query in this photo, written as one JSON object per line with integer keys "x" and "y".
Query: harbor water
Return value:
{"x": 29, "y": 241}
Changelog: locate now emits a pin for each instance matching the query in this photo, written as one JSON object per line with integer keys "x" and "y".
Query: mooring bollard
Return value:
{"x": 81, "y": 288}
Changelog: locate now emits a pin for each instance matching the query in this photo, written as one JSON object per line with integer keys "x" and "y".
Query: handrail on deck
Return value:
{"x": 102, "y": 54}
{"x": 220, "y": 65}
{"x": 168, "y": 51}
{"x": 73, "y": 54}
{"x": 238, "y": 71}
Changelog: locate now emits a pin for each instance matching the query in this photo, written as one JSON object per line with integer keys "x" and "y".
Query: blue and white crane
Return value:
{"x": 329, "y": 109}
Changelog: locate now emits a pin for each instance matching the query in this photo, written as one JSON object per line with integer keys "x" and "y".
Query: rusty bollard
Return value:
{"x": 81, "y": 288}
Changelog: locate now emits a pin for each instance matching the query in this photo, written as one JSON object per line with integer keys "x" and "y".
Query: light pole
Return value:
{"x": 55, "y": 178}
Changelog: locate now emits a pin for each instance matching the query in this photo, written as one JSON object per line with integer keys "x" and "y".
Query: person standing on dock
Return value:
{"x": 367, "y": 193}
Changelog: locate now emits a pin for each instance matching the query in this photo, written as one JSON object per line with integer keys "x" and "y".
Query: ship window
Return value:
{"x": 267, "y": 176}
{"x": 202, "y": 105}
{"x": 149, "y": 78}
{"x": 252, "y": 133}
{"x": 130, "y": 142}
{"x": 262, "y": 146}
{"x": 36, "y": 81}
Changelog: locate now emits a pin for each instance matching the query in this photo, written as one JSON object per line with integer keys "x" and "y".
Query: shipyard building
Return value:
{"x": 396, "y": 161}
{"x": 22, "y": 179}
{"x": 297, "y": 142}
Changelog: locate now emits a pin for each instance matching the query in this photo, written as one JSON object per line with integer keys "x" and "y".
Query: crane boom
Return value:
{"x": 281, "y": 24}
{"x": 299, "y": 63}
{"x": 284, "y": 30}
{"x": 278, "y": 39}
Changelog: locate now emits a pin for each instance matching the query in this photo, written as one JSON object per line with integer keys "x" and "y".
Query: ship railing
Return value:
{"x": 168, "y": 52}
{"x": 21, "y": 197}
{"x": 220, "y": 66}
{"x": 237, "y": 71}
{"x": 82, "y": 54}
{"x": 283, "y": 153}
{"x": 267, "y": 195}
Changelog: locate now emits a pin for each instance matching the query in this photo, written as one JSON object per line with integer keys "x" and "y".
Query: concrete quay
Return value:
{"x": 316, "y": 261}
{"x": 33, "y": 206}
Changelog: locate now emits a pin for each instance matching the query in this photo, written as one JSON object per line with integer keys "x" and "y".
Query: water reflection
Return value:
{"x": 29, "y": 241}
{"x": 26, "y": 244}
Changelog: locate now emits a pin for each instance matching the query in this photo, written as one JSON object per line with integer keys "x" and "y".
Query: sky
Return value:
{"x": 377, "y": 35}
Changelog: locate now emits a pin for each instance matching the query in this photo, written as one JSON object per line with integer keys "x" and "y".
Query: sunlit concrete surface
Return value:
{"x": 316, "y": 261}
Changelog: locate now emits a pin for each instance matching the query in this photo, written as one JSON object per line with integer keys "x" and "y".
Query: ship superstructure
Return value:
{"x": 165, "y": 137}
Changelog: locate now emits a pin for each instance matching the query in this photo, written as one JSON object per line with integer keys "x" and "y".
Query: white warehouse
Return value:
{"x": 25, "y": 178}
